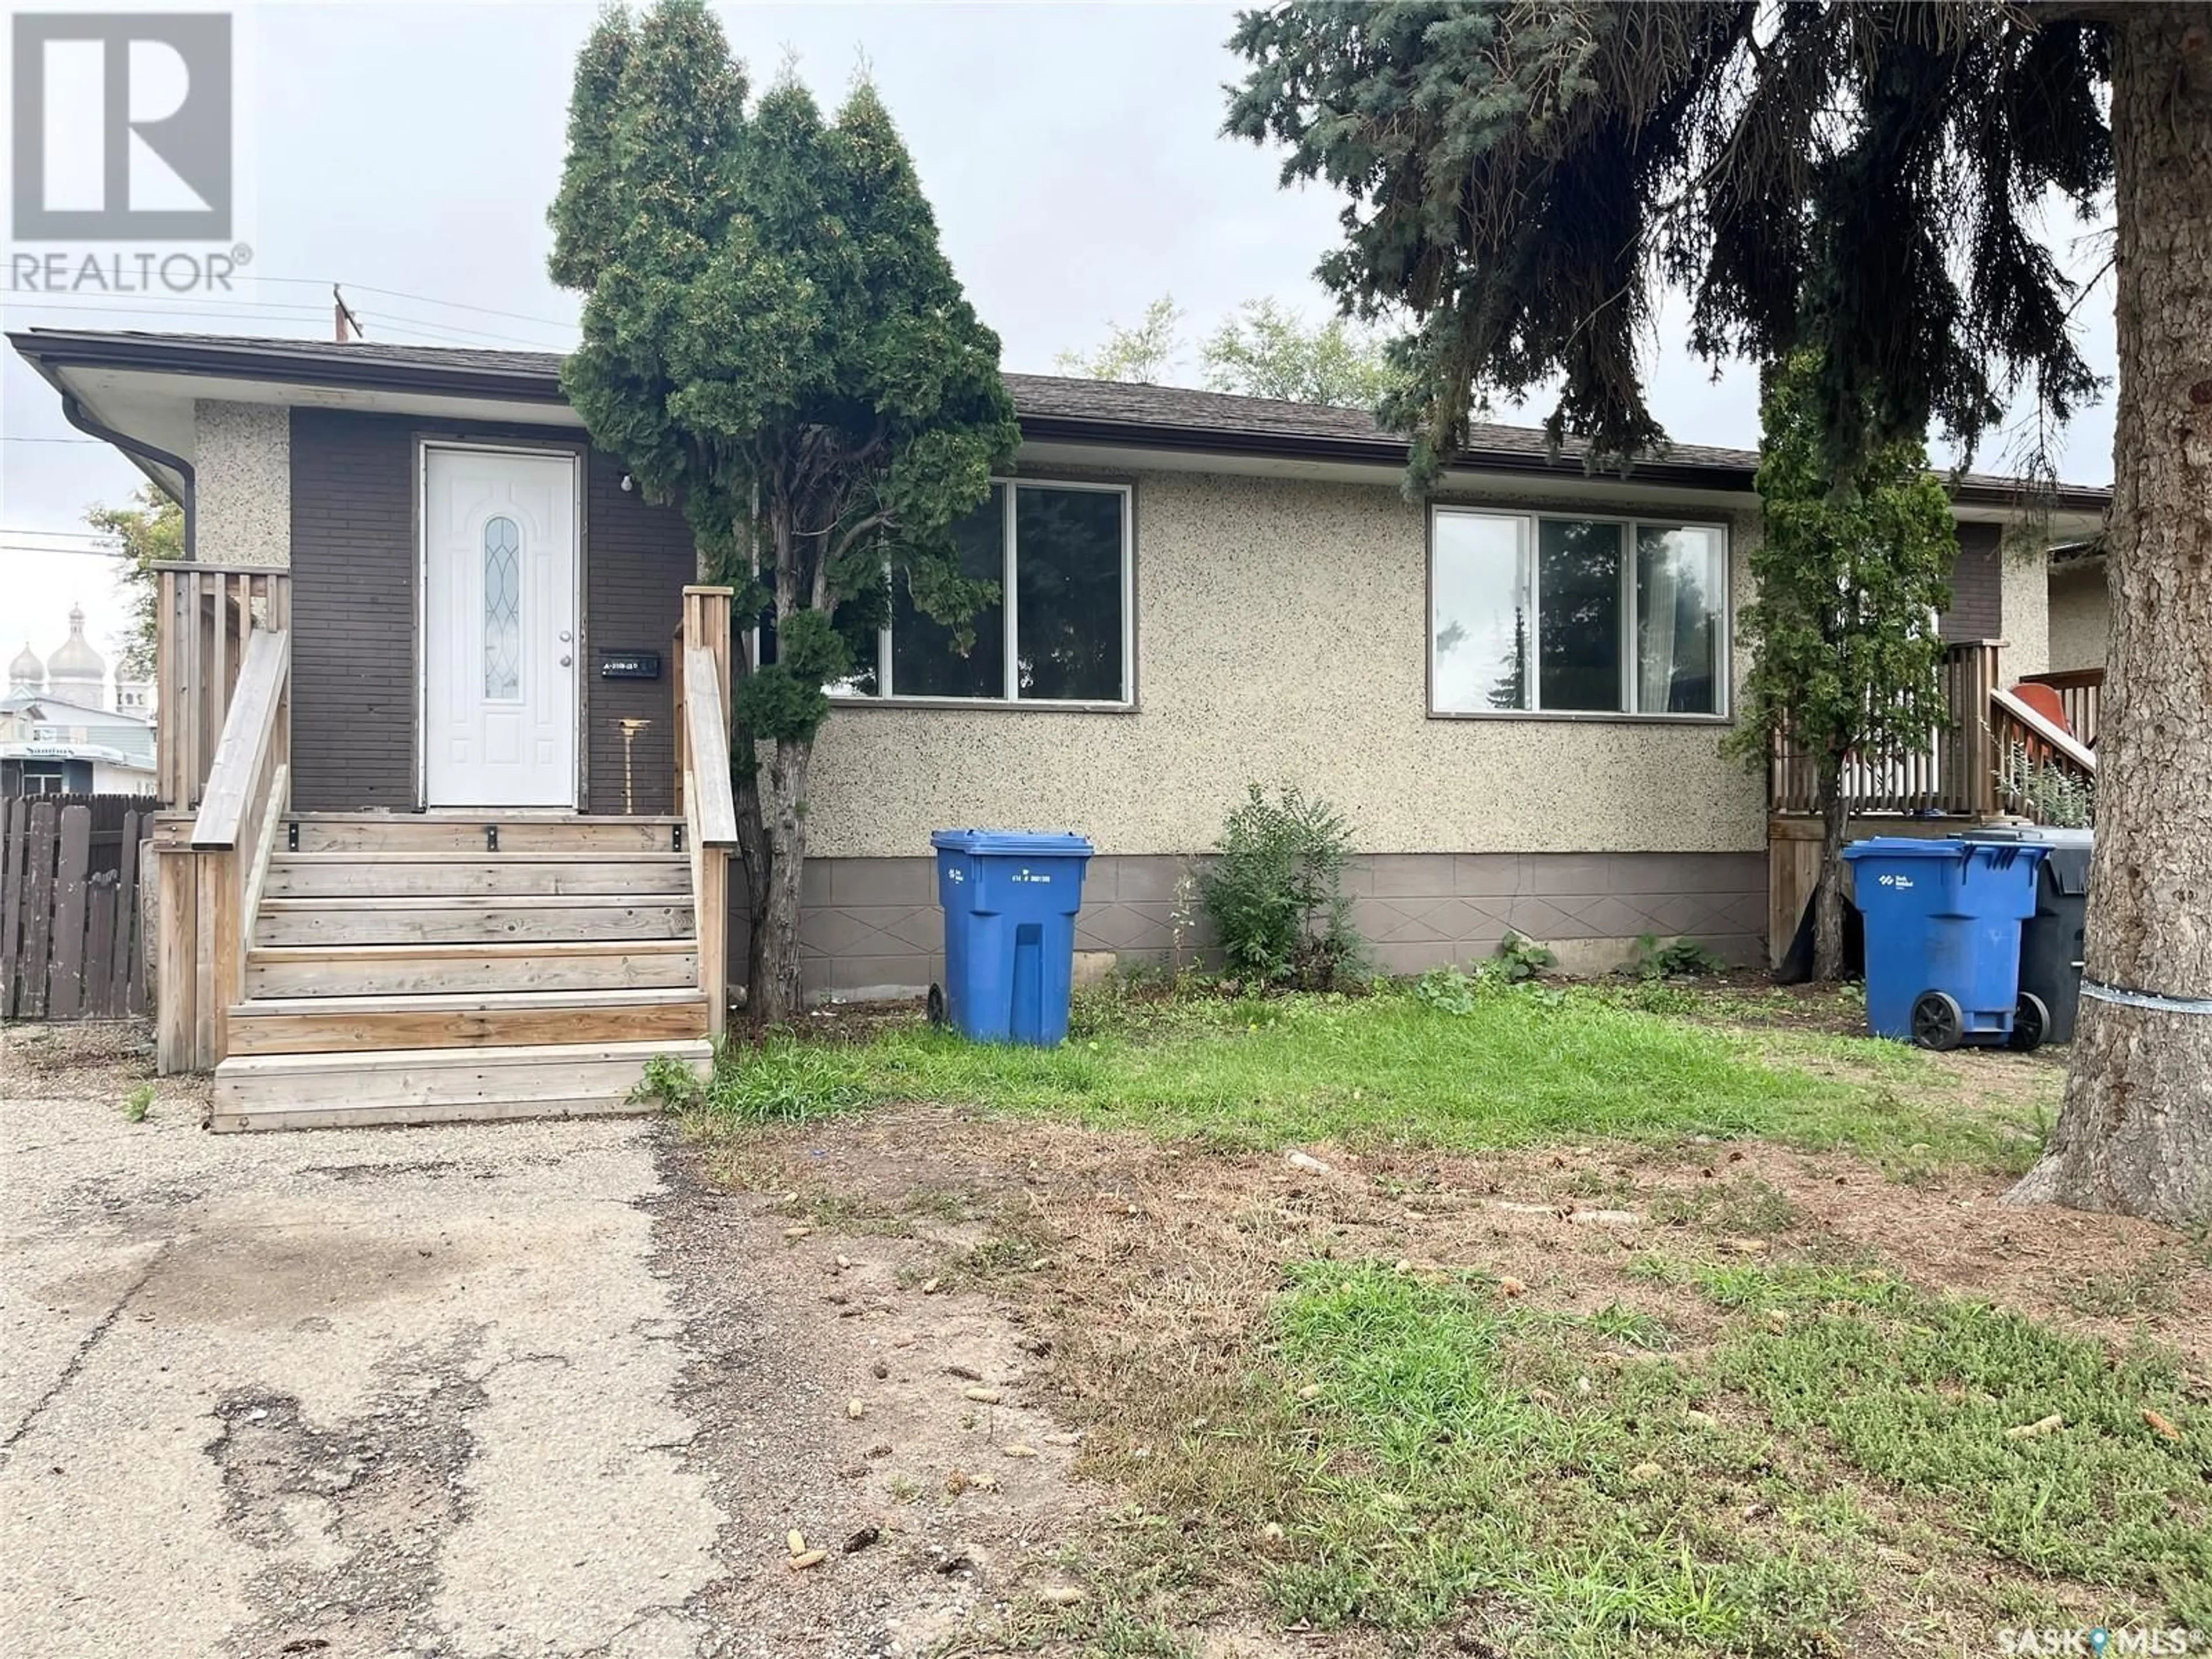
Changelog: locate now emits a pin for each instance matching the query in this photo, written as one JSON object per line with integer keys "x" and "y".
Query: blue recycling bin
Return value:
{"x": 1009, "y": 898}
{"x": 1942, "y": 938}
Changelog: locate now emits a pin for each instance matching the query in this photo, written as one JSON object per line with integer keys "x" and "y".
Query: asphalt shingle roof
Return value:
{"x": 1048, "y": 405}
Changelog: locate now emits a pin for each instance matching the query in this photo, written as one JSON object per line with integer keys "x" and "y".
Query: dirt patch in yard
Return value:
{"x": 1097, "y": 1204}
{"x": 1132, "y": 1277}
{"x": 845, "y": 1390}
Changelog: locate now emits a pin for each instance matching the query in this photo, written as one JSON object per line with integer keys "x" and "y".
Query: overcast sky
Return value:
{"x": 1071, "y": 152}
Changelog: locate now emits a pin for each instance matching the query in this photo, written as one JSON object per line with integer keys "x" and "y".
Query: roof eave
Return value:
{"x": 1372, "y": 452}
{"x": 366, "y": 373}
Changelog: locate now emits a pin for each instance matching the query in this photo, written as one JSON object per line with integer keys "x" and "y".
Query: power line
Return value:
{"x": 449, "y": 331}
{"x": 356, "y": 288}
{"x": 96, "y": 304}
{"x": 109, "y": 305}
{"x": 425, "y": 298}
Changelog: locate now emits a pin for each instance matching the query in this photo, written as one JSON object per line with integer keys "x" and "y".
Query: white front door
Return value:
{"x": 498, "y": 629}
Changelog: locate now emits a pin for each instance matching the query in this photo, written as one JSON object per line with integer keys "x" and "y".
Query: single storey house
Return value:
{"x": 484, "y": 843}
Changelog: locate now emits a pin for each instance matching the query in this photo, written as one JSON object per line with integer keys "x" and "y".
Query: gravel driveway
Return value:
{"x": 519, "y": 1389}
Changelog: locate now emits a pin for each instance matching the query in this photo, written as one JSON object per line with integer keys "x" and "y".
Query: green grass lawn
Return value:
{"x": 1853, "y": 1464}
{"x": 1713, "y": 1448}
{"x": 1514, "y": 1069}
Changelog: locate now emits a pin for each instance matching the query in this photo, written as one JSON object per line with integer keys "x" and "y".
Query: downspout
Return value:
{"x": 75, "y": 413}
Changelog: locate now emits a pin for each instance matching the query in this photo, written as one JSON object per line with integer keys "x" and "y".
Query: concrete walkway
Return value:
{"x": 426, "y": 1378}
{"x": 516, "y": 1391}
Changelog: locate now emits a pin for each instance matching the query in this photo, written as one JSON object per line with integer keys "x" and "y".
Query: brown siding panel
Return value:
{"x": 1976, "y": 610}
{"x": 353, "y": 607}
{"x": 872, "y": 924}
{"x": 637, "y": 559}
{"x": 353, "y": 611}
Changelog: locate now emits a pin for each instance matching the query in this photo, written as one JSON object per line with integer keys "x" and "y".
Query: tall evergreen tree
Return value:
{"x": 1845, "y": 656}
{"x": 1865, "y": 178}
{"x": 774, "y": 340}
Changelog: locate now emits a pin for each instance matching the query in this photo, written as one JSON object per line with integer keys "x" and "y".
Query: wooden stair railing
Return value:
{"x": 203, "y": 616}
{"x": 702, "y": 782}
{"x": 212, "y": 867}
{"x": 2017, "y": 725}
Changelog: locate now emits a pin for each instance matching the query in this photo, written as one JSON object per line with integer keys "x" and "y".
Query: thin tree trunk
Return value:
{"x": 1828, "y": 893}
{"x": 756, "y": 861}
{"x": 777, "y": 995}
{"x": 2135, "y": 1132}
{"x": 733, "y": 564}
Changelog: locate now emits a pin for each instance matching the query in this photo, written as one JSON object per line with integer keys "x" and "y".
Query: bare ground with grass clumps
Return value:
{"x": 1588, "y": 1397}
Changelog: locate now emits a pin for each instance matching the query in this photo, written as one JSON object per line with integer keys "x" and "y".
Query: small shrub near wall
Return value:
{"x": 1274, "y": 891}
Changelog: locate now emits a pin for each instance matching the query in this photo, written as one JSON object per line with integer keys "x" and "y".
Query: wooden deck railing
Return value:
{"x": 1954, "y": 774}
{"x": 205, "y": 614}
{"x": 702, "y": 782}
{"x": 212, "y": 866}
{"x": 2081, "y": 694}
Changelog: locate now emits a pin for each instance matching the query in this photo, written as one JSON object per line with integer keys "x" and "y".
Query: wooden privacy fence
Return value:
{"x": 69, "y": 946}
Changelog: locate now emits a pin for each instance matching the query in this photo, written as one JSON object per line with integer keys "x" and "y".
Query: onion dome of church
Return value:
{"x": 27, "y": 672}
{"x": 75, "y": 663}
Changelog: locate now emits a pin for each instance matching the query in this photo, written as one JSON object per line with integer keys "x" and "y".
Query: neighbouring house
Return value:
{"x": 489, "y": 835}
{"x": 61, "y": 732}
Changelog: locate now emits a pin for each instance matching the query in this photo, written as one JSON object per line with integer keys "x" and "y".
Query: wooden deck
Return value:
{"x": 1954, "y": 783}
{"x": 369, "y": 968}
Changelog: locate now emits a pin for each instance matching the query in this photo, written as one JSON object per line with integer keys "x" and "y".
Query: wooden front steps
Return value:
{"x": 424, "y": 970}
{"x": 471, "y": 1019}
{"x": 463, "y": 832}
{"x": 435, "y": 1085}
{"x": 450, "y": 874}
{"x": 456, "y": 967}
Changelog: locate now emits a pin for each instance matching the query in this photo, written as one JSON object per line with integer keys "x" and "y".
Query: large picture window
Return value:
{"x": 1060, "y": 629}
{"x": 1536, "y": 614}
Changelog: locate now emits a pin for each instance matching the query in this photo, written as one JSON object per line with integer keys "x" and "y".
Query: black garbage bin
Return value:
{"x": 2050, "y": 939}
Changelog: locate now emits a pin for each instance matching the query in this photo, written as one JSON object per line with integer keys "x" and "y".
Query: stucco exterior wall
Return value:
{"x": 1281, "y": 637}
{"x": 2027, "y": 598}
{"x": 242, "y": 466}
{"x": 2081, "y": 616}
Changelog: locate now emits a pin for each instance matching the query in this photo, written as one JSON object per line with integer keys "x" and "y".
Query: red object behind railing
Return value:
{"x": 2080, "y": 693}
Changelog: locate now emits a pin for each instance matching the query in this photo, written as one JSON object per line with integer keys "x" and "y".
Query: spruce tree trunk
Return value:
{"x": 1828, "y": 893}
{"x": 2135, "y": 1132}
{"x": 777, "y": 998}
